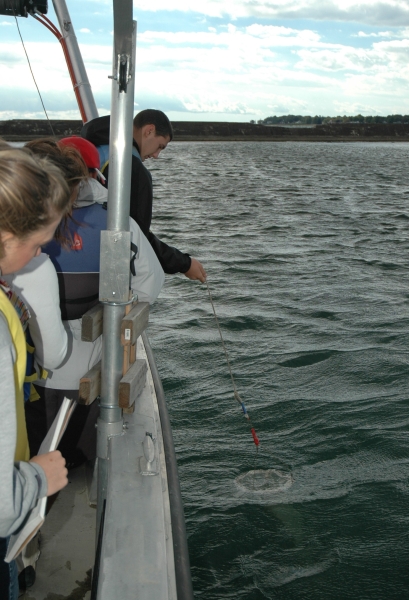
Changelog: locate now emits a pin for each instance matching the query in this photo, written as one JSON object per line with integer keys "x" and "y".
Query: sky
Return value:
{"x": 221, "y": 60}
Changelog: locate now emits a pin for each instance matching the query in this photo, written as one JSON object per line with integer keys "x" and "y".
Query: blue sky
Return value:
{"x": 223, "y": 60}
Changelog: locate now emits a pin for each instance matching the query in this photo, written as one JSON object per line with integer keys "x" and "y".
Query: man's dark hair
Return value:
{"x": 151, "y": 116}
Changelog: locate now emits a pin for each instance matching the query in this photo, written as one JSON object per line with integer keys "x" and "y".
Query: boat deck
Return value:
{"x": 67, "y": 544}
{"x": 137, "y": 553}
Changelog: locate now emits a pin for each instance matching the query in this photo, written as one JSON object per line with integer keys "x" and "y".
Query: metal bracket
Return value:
{"x": 106, "y": 431}
{"x": 122, "y": 74}
{"x": 115, "y": 273}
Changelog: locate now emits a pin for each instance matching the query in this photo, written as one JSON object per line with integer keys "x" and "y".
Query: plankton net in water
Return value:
{"x": 264, "y": 480}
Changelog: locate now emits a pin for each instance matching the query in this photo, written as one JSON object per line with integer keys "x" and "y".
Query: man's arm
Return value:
{"x": 171, "y": 259}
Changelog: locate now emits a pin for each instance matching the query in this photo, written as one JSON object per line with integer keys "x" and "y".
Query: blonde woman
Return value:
{"x": 33, "y": 199}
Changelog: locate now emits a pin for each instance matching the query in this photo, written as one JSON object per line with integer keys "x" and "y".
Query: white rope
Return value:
{"x": 236, "y": 394}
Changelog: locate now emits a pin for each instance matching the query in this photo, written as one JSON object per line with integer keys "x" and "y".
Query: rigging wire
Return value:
{"x": 236, "y": 394}
{"x": 32, "y": 74}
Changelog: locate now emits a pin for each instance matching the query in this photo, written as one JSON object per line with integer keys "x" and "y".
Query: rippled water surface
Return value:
{"x": 306, "y": 247}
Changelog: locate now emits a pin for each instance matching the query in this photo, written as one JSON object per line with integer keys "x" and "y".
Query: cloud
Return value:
{"x": 267, "y": 36}
{"x": 165, "y": 102}
{"x": 285, "y": 105}
{"x": 389, "y": 55}
{"x": 273, "y": 36}
{"x": 362, "y": 34}
{"x": 235, "y": 70}
{"x": 19, "y": 93}
{"x": 401, "y": 34}
{"x": 355, "y": 59}
{"x": 187, "y": 102}
{"x": 227, "y": 69}
{"x": 374, "y": 12}
{"x": 355, "y": 108}
{"x": 20, "y": 100}
{"x": 69, "y": 115}
{"x": 196, "y": 104}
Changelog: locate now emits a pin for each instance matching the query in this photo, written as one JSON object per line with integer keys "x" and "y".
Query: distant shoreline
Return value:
{"x": 20, "y": 130}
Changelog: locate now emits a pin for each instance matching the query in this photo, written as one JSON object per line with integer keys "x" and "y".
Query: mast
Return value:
{"x": 82, "y": 86}
{"x": 114, "y": 292}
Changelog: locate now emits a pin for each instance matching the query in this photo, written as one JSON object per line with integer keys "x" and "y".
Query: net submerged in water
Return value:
{"x": 265, "y": 480}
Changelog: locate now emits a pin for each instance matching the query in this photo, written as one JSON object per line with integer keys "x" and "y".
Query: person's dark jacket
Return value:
{"x": 170, "y": 258}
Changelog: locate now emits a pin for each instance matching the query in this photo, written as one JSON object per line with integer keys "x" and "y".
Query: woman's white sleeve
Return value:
{"x": 21, "y": 484}
{"x": 149, "y": 276}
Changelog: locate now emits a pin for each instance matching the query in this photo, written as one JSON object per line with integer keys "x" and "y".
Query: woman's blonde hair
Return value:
{"x": 33, "y": 192}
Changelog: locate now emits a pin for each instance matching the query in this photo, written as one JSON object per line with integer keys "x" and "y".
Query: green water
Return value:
{"x": 306, "y": 247}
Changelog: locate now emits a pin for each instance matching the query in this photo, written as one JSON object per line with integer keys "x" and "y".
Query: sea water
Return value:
{"x": 306, "y": 246}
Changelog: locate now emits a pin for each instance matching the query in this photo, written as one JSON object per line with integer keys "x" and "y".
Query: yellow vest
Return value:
{"x": 19, "y": 342}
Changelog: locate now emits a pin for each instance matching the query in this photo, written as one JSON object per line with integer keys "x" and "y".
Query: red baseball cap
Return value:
{"x": 87, "y": 150}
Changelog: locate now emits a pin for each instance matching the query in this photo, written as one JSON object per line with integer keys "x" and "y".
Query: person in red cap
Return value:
{"x": 88, "y": 152}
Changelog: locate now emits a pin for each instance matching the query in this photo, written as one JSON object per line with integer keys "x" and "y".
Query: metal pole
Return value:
{"x": 83, "y": 84}
{"x": 114, "y": 291}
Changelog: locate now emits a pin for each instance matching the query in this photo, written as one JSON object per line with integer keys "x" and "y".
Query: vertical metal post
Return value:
{"x": 84, "y": 87}
{"x": 115, "y": 242}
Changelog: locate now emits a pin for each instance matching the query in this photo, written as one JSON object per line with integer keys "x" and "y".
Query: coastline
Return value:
{"x": 19, "y": 130}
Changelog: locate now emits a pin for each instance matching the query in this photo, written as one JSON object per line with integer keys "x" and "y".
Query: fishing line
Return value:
{"x": 32, "y": 74}
{"x": 236, "y": 393}
{"x": 258, "y": 481}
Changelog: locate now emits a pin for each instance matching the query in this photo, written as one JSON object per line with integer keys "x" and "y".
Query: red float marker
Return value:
{"x": 255, "y": 438}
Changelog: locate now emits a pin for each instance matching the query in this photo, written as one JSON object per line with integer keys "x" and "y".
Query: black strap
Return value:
{"x": 134, "y": 249}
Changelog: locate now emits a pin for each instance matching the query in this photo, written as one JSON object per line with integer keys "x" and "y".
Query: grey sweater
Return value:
{"x": 21, "y": 483}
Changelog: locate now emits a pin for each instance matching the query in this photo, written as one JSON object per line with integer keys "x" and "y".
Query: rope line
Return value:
{"x": 32, "y": 74}
{"x": 236, "y": 393}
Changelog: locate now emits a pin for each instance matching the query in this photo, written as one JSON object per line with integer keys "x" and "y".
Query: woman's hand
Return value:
{"x": 53, "y": 465}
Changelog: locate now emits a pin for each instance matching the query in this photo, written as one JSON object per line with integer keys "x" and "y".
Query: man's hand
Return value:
{"x": 196, "y": 271}
{"x": 53, "y": 465}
